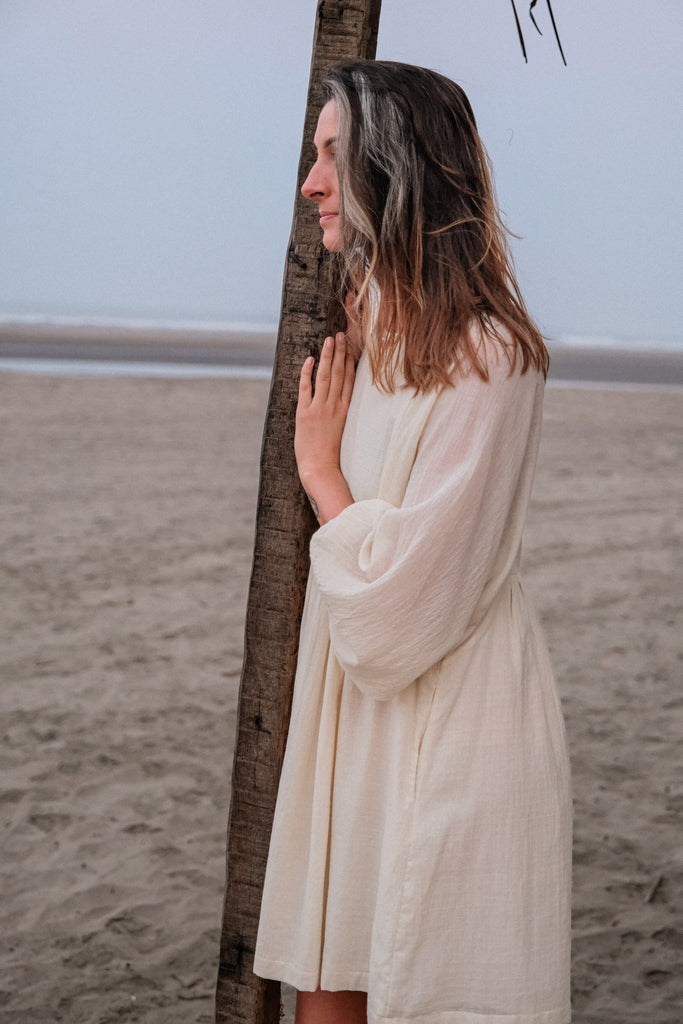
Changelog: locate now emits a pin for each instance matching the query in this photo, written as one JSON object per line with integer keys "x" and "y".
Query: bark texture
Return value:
{"x": 344, "y": 28}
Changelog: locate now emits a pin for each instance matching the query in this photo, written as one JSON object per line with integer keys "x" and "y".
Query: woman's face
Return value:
{"x": 322, "y": 183}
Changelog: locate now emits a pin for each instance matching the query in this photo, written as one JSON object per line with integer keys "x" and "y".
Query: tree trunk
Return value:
{"x": 344, "y": 28}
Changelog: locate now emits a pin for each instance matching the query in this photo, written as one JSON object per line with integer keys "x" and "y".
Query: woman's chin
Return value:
{"x": 331, "y": 240}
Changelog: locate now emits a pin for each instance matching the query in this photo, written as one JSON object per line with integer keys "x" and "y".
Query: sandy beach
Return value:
{"x": 126, "y": 538}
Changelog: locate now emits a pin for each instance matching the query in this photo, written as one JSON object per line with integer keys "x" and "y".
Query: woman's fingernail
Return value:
{"x": 329, "y": 342}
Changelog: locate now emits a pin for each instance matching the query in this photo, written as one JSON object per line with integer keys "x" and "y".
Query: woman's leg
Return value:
{"x": 331, "y": 1007}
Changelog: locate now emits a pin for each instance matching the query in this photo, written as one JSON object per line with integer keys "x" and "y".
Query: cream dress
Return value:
{"x": 421, "y": 843}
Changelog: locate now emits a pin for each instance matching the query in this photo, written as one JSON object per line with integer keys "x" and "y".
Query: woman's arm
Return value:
{"x": 405, "y": 585}
{"x": 320, "y": 418}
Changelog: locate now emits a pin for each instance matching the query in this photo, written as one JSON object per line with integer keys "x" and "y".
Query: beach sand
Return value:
{"x": 126, "y": 537}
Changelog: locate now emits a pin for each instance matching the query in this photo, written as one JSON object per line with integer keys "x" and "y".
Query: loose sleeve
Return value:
{"x": 404, "y": 586}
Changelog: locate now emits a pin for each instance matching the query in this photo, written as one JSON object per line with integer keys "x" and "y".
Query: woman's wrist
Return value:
{"x": 328, "y": 493}
{"x": 320, "y": 476}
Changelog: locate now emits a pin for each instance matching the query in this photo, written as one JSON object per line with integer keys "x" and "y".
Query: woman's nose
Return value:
{"x": 313, "y": 185}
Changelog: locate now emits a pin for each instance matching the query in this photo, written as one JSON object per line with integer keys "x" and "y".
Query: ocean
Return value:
{"x": 134, "y": 346}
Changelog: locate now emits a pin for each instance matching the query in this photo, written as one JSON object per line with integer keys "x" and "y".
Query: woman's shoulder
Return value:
{"x": 494, "y": 352}
{"x": 504, "y": 382}
{"x": 492, "y": 360}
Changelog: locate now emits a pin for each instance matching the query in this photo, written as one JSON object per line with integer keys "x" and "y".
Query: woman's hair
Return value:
{"x": 423, "y": 247}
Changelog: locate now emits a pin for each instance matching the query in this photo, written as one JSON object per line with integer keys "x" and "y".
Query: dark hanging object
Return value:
{"x": 519, "y": 32}
{"x": 531, "y": 15}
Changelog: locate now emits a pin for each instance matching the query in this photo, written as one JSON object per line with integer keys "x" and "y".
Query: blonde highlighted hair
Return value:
{"x": 423, "y": 250}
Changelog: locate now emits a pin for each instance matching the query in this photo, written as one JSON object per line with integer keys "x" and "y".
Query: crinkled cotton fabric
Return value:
{"x": 421, "y": 843}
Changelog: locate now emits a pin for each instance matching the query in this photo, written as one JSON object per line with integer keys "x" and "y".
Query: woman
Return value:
{"x": 419, "y": 866}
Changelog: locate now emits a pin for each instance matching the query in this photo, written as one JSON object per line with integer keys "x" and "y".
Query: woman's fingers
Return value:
{"x": 324, "y": 374}
{"x": 329, "y": 379}
{"x": 337, "y": 374}
{"x": 305, "y": 382}
{"x": 334, "y": 377}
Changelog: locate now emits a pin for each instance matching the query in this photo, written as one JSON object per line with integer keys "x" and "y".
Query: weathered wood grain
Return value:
{"x": 280, "y": 567}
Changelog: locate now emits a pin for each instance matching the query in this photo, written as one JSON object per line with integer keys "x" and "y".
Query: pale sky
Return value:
{"x": 149, "y": 152}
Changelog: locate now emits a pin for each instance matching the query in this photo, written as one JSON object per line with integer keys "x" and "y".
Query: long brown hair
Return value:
{"x": 423, "y": 246}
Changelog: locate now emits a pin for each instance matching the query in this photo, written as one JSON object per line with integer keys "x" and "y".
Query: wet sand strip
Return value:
{"x": 573, "y": 363}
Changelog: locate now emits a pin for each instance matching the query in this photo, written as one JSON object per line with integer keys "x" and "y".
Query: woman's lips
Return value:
{"x": 326, "y": 217}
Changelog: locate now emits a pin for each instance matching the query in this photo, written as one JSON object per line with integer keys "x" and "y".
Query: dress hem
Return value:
{"x": 357, "y": 981}
{"x": 303, "y": 980}
{"x": 557, "y": 1016}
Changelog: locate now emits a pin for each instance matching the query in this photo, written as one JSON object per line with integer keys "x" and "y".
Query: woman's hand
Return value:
{"x": 320, "y": 419}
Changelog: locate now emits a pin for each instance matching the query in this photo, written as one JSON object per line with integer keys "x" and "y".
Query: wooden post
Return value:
{"x": 344, "y": 28}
